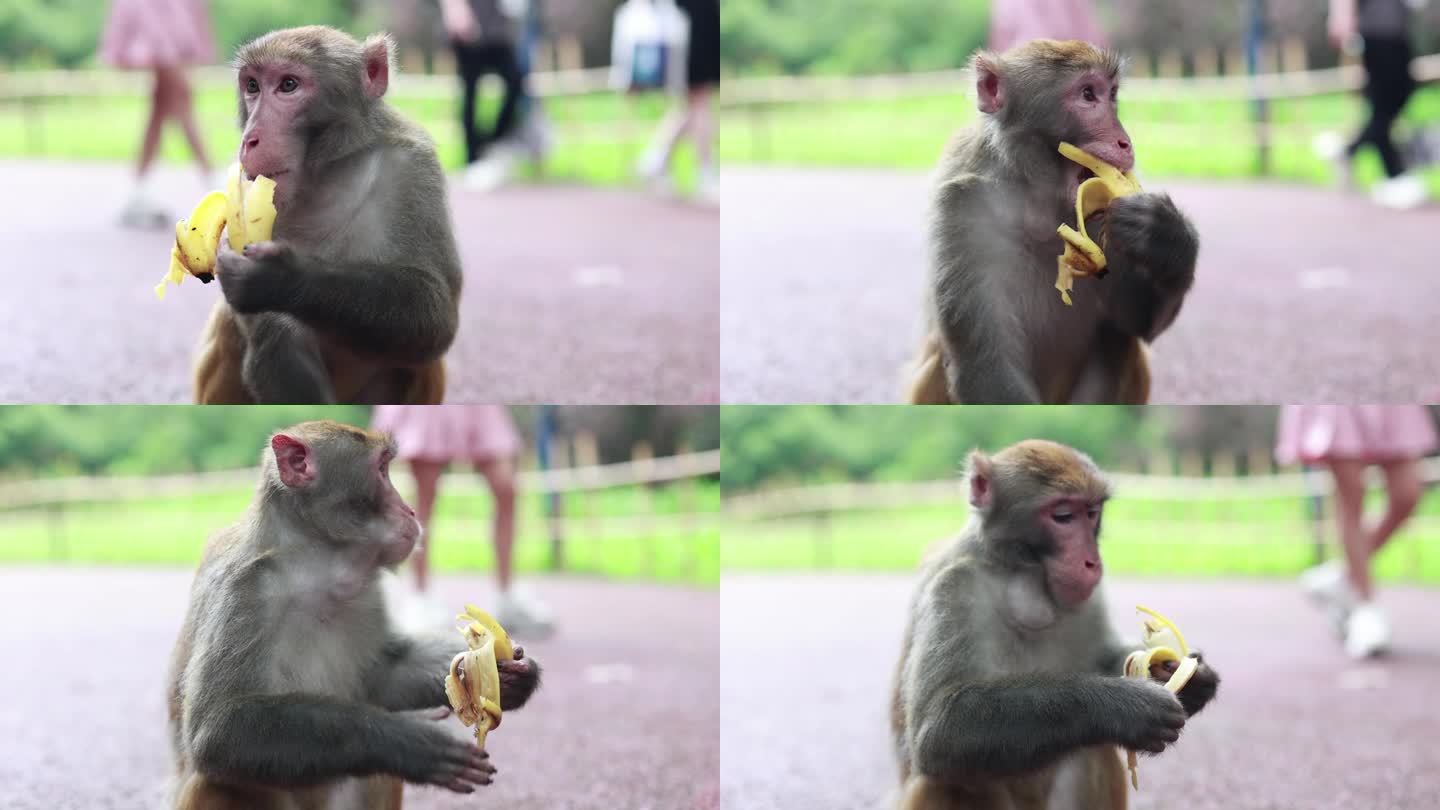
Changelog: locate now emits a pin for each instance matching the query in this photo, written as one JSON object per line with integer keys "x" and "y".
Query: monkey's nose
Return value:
{"x": 1124, "y": 145}
{"x": 1092, "y": 564}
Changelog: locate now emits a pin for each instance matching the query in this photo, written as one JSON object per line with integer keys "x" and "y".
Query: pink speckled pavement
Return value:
{"x": 572, "y": 295}
{"x": 1296, "y": 725}
{"x": 627, "y": 716}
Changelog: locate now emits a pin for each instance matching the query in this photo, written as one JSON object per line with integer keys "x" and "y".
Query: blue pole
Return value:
{"x": 1259, "y": 106}
{"x": 544, "y": 435}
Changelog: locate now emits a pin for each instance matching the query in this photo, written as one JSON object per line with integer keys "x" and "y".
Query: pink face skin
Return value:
{"x": 1074, "y": 570}
{"x": 1091, "y": 103}
{"x": 274, "y": 95}
{"x": 403, "y": 530}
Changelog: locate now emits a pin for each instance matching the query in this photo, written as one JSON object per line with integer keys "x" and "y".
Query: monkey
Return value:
{"x": 288, "y": 687}
{"x": 1009, "y": 690}
{"x": 996, "y": 329}
{"x": 356, "y": 297}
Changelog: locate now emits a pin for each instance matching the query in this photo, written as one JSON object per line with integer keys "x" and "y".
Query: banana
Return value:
{"x": 245, "y": 211}
{"x": 1161, "y": 638}
{"x": 472, "y": 684}
{"x": 1082, "y": 256}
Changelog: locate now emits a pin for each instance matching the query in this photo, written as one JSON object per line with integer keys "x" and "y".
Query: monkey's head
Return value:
{"x": 298, "y": 84}
{"x": 335, "y": 479}
{"x": 1050, "y": 91}
{"x": 1040, "y": 505}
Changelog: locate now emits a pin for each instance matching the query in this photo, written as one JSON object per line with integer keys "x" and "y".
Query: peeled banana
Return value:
{"x": 473, "y": 682}
{"x": 1161, "y": 639}
{"x": 245, "y": 211}
{"x": 1082, "y": 256}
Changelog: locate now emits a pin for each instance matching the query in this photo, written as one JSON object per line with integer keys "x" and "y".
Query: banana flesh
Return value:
{"x": 472, "y": 684}
{"x": 245, "y": 212}
{"x": 1163, "y": 642}
{"x": 1082, "y": 256}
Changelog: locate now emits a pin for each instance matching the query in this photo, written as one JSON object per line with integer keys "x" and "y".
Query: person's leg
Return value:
{"x": 469, "y": 79}
{"x": 159, "y": 108}
{"x": 1403, "y": 486}
{"x": 182, "y": 109}
{"x": 1349, "y": 477}
{"x": 427, "y": 484}
{"x": 508, "y": 69}
{"x": 702, "y": 125}
{"x": 499, "y": 473}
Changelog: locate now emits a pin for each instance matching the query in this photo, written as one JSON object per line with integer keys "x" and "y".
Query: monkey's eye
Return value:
{"x": 1088, "y": 93}
{"x": 1093, "y": 512}
{"x": 252, "y": 86}
{"x": 1115, "y": 93}
{"x": 288, "y": 84}
{"x": 1063, "y": 517}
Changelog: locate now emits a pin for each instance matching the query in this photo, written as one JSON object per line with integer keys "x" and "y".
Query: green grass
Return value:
{"x": 599, "y": 136}
{"x": 1263, "y": 538}
{"x": 1179, "y": 138}
{"x": 171, "y": 531}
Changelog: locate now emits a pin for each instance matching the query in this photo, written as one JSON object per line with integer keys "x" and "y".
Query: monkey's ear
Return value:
{"x": 989, "y": 82}
{"x": 379, "y": 55}
{"x": 294, "y": 461}
{"x": 982, "y": 479}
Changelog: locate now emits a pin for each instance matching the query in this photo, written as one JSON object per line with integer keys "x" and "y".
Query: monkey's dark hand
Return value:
{"x": 1199, "y": 690}
{"x": 261, "y": 279}
{"x": 1147, "y": 235}
{"x": 430, "y": 755}
{"x": 1148, "y": 718}
{"x": 1151, "y": 248}
{"x": 518, "y": 680}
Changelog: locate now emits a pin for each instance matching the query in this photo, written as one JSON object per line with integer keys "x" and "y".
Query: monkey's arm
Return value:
{"x": 406, "y": 311}
{"x": 411, "y": 675}
{"x": 1151, "y": 250}
{"x": 973, "y": 260}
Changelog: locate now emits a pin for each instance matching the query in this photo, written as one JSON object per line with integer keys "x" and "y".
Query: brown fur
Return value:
{"x": 222, "y": 349}
{"x": 1104, "y": 789}
{"x": 199, "y": 793}
{"x": 927, "y": 385}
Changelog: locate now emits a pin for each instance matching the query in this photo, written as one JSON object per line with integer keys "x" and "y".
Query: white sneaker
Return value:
{"x": 523, "y": 614}
{"x": 1402, "y": 193}
{"x": 1327, "y": 587}
{"x": 1367, "y": 633}
{"x": 489, "y": 172}
{"x": 142, "y": 212}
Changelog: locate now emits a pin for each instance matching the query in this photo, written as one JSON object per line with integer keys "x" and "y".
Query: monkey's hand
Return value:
{"x": 260, "y": 279}
{"x": 1149, "y": 717}
{"x": 427, "y": 754}
{"x": 1152, "y": 249}
{"x": 1196, "y": 692}
{"x": 518, "y": 680}
{"x": 1148, "y": 236}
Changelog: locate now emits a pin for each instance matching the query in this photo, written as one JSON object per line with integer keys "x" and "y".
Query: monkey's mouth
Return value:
{"x": 1075, "y": 180}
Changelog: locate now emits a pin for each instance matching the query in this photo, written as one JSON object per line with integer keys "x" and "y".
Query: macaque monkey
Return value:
{"x": 1009, "y": 693}
{"x": 289, "y": 689}
{"x": 356, "y": 298}
{"x": 997, "y": 331}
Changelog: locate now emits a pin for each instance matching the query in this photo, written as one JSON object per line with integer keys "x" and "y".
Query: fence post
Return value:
{"x": 544, "y": 437}
{"x": 689, "y": 501}
{"x": 1260, "y": 107}
{"x": 642, "y": 454}
{"x": 585, "y": 452}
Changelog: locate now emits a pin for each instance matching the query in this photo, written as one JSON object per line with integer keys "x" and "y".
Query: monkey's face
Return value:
{"x": 1071, "y": 558}
{"x": 397, "y": 526}
{"x": 1092, "y": 122}
{"x": 276, "y": 100}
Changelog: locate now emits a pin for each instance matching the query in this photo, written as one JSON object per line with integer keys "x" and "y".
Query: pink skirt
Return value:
{"x": 1371, "y": 433}
{"x": 145, "y": 34}
{"x": 445, "y": 433}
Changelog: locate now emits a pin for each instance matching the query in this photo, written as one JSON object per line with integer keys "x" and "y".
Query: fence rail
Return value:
{"x": 823, "y": 498}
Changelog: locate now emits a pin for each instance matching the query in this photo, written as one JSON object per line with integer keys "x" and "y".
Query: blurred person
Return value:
{"x": 534, "y": 137}
{"x": 483, "y": 36}
{"x": 1015, "y": 21}
{"x": 163, "y": 37}
{"x": 1382, "y": 30}
{"x": 429, "y": 438}
{"x": 1346, "y": 440}
{"x": 695, "y": 116}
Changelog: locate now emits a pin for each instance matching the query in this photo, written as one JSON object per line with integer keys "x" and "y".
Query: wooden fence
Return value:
{"x": 575, "y": 488}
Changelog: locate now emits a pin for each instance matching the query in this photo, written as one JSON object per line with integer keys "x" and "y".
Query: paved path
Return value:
{"x": 572, "y": 295}
{"x": 1296, "y": 726}
{"x": 627, "y": 717}
{"x": 1301, "y": 293}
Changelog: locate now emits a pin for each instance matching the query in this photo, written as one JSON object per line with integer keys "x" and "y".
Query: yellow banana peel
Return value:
{"x": 472, "y": 684}
{"x": 1163, "y": 642}
{"x": 245, "y": 212}
{"x": 1082, "y": 256}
